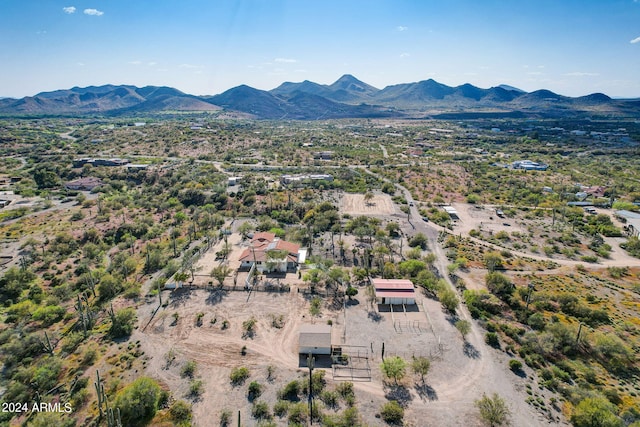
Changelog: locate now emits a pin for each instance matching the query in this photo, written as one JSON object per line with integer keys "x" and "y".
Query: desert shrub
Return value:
{"x": 481, "y": 303}
{"x": 260, "y": 411}
{"x": 49, "y": 314}
{"x": 499, "y": 285}
{"x": 448, "y": 299}
{"x": 593, "y": 411}
{"x": 419, "y": 240}
{"x": 515, "y": 365}
{"x": 491, "y": 338}
{"x": 613, "y": 351}
{"x": 180, "y": 412}
{"x": 195, "y": 388}
{"x": 632, "y": 246}
{"x": 71, "y": 342}
{"x": 254, "y": 391}
{"x": 329, "y": 398}
{"x": 298, "y": 413}
{"x": 239, "y": 375}
{"x": 392, "y": 413}
{"x": 536, "y": 321}
{"x": 225, "y": 418}
{"x": 345, "y": 389}
{"x": 493, "y": 410}
{"x": 188, "y": 369}
{"x": 122, "y": 323}
{"x": 290, "y": 391}
{"x": 280, "y": 408}
{"x": 138, "y": 402}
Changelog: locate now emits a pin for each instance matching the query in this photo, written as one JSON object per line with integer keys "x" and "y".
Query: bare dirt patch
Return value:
{"x": 459, "y": 373}
{"x": 355, "y": 204}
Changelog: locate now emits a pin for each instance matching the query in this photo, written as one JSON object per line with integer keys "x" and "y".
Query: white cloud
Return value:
{"x": 80, "y": 64}
{"x": 636, "y": 40}
{"x": 69, "y": 9}
{"x": 285, "y": 60}
{"x": 135, "y": 62}
{"x": 93, "y": 12}
{"x": 405, "y": 55}
{"x": 151, "y": 64}
{"x": 534, "y": 73}
{"x": 190, "y": 66}
{"x": 401, "y": 28}
{"x": 581, "y": 74}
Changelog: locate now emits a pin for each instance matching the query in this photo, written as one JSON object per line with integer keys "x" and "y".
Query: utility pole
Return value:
{"x": 310, "y": 364}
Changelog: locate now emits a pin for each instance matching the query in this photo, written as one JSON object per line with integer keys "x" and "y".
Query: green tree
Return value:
{"x": 420, "y": 366}
{"x": 351, "y": 292}
{"x": 493, "y": 410}
{"x": 419, "y": 240}
{"x": 499, "y": 285}
{"x": 45, "y": 178}
{"x": 108, "y": 287}
{"x": 14, "y": 281}
{"x": 122, "y": 324}
{"x": 464, "y": 327}
{"x": 220, "y": 273}
{"x": 394, "y": 368}
{"x": 448, "y": 299}
{"x": 595, "y": 412}
{"x": 138, "y": 402}
{"x": 368, "y": 197}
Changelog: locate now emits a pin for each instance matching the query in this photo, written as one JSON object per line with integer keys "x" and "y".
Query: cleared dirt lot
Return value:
{"x": 354, "y": 204}
{"x": 459, "y": 373}
{"x": 482, "y": 218}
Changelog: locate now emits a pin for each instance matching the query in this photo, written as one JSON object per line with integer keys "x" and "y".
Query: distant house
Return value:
{"x": 394, "y": 291}
{"x": 597, "y": 191}
{"x": 77, "y": 163}
{"x": 86, "y": 184}
{"x": 529, "y": 165}
{"x": 233, "y": 180}
{"x": 324, "y": 155}
{"x": 314, "y": 339}
{"x": 291, "y": 179}
{"x": 270, "y": 254}
{"x": 137, "y": 166}
{"x": 453, "y": 213}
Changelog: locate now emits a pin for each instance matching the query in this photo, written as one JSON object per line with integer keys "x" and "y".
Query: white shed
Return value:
{"x": 314, "y": 339}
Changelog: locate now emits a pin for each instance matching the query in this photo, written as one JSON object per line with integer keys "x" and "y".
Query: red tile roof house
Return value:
{"x": 270, "y": 254}
{"x": 394, "y": 291}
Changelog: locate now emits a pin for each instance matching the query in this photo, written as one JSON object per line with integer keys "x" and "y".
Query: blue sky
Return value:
{"x": 204, "y": 47}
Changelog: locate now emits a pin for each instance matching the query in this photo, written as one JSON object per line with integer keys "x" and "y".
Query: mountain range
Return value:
{"x": 348, "y": 97}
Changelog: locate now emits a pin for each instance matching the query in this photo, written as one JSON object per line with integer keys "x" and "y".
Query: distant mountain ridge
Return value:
{"x": 347, "y": 97}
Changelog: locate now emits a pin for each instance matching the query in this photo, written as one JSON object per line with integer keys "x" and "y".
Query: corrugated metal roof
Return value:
{"x": 628, "y": 214}
{"x": 392, "y": 284}
{"x": 315, "y": 336}
{"x": 392, "y": 294}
